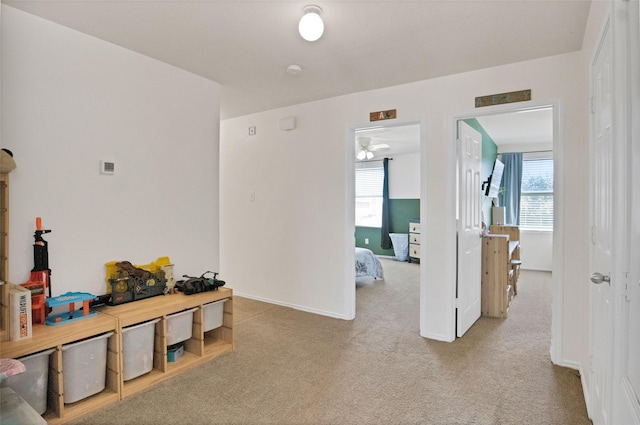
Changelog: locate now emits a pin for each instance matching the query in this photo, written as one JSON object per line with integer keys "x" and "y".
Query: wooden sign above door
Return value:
{"x": 498, "y": 99}
{"x": 382, "y": 115}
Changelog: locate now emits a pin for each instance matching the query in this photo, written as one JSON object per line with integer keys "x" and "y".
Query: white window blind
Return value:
{"x": 369, "y": 183}
{"x": 536, "y": 198}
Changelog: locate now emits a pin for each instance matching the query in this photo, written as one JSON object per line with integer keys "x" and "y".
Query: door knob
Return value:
{"x": 598, "y": 278}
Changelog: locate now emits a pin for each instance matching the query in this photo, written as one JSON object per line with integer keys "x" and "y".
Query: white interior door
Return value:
{"x": 626, "y": 390}
{"x": 469, "y": 227}
{"x": 601, "y": 325}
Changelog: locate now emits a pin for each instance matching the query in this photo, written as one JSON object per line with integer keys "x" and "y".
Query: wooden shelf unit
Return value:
{"x": 4, "y": 256}
{"x": 201, "y": 347}
{"x": 47, "y": 337}
{"x": 514, "y": 246}
{"x": 497, "y": 290}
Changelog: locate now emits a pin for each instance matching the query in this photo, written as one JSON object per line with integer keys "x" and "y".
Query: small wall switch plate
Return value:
{"x": 107, "y": 167}
{"x": 252, "y": 130}
{"x": 366, "y": 241}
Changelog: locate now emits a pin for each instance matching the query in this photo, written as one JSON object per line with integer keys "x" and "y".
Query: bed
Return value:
{"x": 367, "y": 264}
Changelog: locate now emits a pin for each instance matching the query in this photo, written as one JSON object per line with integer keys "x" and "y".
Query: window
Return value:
{"x": 369, "y": 181}
{"x": 536, "y": 198}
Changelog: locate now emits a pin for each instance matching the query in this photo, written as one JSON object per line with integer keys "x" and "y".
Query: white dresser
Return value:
{"x": 414, "y": 240}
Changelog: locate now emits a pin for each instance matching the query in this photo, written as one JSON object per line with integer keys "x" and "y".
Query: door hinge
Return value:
{"x": 592, "y": 105}
{"x": 625, "y": 289}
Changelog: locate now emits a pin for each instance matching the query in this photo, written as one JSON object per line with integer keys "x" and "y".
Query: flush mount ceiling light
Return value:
{"x": 311, "y": 26}
{"x": 294, "y": 69}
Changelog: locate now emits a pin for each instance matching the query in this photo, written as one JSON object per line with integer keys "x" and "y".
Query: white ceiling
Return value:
{"x": 246, "y": 46}
{"x": 526, "y": 127}
{"x": 401, "y": 139}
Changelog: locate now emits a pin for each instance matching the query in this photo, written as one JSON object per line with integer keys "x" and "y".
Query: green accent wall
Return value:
{"x": 489, "y": 155}
{"x": 401, "y": 211}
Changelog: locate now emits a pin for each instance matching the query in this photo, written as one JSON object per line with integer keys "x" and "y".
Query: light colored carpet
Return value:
{"x": 291, "y": 367}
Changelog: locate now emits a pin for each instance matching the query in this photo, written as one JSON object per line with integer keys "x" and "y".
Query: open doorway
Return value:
{"x": 400, "y": 144}
{"x": 533, "y": 132}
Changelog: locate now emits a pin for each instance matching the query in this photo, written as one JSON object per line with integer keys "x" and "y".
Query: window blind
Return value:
{"x": 369, "y": 182}
{"x": 536, "y": 199}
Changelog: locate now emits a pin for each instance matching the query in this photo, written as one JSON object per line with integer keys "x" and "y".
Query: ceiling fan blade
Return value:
{"x": 380, "y": 147}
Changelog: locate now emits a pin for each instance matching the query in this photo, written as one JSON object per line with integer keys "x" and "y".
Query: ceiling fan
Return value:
{"x": 366, "y": 149}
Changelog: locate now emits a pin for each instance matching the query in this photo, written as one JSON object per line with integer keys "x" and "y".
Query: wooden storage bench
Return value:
{"x": 201, "y": 347}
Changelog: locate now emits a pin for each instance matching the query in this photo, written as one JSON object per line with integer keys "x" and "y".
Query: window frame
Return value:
{"x": 539, "y": 156}
{"x": 370, "y": 165}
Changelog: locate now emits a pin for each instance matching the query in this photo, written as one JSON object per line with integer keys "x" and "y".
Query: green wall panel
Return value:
{"x": 400, "y": 211}
{"x": 489, "y": 155}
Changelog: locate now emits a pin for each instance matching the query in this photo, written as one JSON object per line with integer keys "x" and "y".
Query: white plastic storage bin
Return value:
{"x": 84, "y": 365}
{"x": 179, "y": 326}
{"x": 213, "y": 315}
{"x": 14, "y": 410}
{"x": 137, "y": 349}
{"x": 31, "y": 385}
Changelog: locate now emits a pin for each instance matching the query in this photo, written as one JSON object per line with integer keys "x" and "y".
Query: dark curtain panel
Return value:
{"x": 385, "y": 240}
{"x": 512, "y": 182}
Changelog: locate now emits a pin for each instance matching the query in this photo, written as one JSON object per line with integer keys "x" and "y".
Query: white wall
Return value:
{"x": 405, "y": 180}
{"x": 297, "y": 233}
{"x": 70, "y": 100}
{"x": 536, "y": 250}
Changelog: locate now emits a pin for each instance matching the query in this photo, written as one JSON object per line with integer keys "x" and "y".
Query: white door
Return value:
{"x": 614, "y": 387}
{"x": 469, "y": 227}
{"x": 601, "y": 325}
{"x": 626, "y": 390}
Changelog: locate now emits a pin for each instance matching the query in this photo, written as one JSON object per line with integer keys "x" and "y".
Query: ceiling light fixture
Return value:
{"x": 311, "y": 26}
{"x": 294, "y": 69}
{"x": 366, "y": 149}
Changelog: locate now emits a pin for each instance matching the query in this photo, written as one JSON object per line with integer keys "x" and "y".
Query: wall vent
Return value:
{"x": 107, "y": 167}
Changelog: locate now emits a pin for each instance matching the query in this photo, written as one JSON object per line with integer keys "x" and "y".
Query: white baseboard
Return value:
{"x": 437, "y": 337}
{"x": 585, "y": 390}
{"x": 294, "y": 306}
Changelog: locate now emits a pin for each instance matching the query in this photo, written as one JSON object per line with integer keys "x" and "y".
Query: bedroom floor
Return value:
{"x": 292, "y": 367}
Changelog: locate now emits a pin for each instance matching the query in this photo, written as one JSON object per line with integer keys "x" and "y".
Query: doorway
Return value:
{"x": 505, "y": 126}
{"x": 402, "y": 143}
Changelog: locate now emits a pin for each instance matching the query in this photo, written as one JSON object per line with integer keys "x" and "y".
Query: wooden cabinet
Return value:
{"x": 201, "y": 347}
{"x": 414, "y": 240}
{"x": 501, "y": 229}
{"x": 498, "y": 286}
{"x": 514, "y": 250}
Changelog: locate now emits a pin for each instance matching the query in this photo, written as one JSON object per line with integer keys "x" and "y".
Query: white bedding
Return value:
{"x": 367, "y": 264}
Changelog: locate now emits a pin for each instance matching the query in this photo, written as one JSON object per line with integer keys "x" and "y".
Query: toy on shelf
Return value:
{"x": 127, "y": 282}
{"x": 194, "y": 285}
{"x": 41, "y": 257}
{"x": 39, "y": 282}
{"x": 70, "y": 298}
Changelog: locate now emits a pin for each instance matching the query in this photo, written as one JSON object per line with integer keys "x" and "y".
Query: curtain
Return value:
{"x": 385, "y": 240}
{"x": 511, "y": 182}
